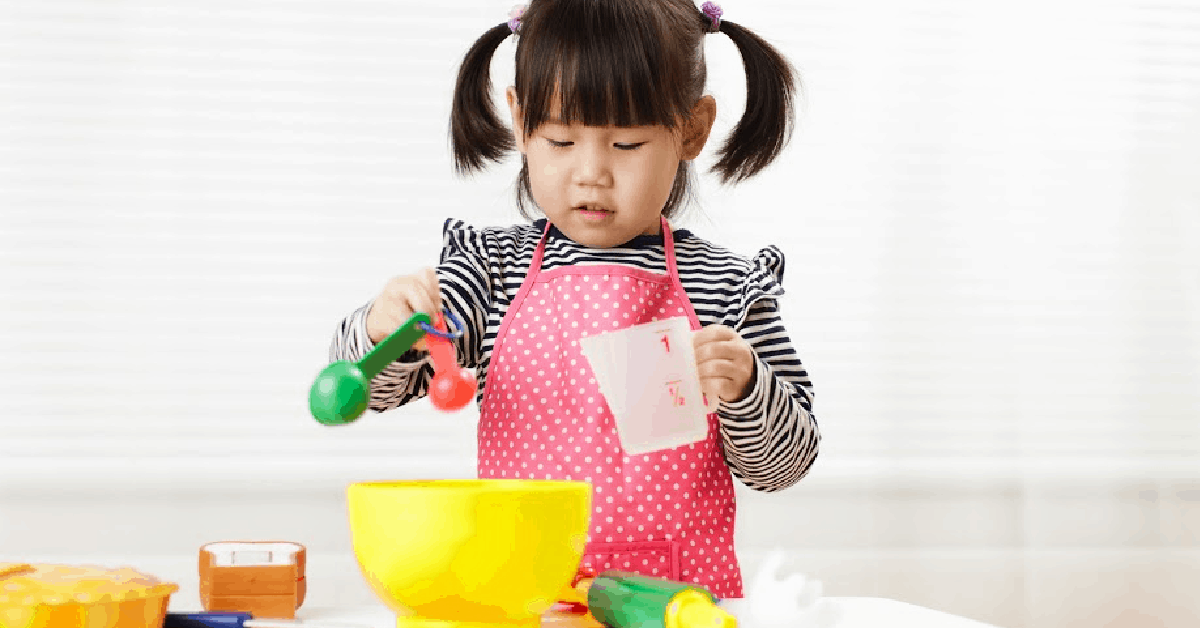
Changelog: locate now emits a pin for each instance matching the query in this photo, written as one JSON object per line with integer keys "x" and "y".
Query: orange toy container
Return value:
{"x": 265, "y": 579}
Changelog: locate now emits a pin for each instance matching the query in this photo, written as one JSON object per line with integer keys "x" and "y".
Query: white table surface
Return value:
{"x": 834, "y": 612}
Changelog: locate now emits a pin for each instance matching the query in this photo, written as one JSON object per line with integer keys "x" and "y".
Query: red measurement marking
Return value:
{"x": 676, "y": 397}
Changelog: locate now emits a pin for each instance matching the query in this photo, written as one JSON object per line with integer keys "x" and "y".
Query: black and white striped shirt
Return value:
{"x": 770, "y": 438}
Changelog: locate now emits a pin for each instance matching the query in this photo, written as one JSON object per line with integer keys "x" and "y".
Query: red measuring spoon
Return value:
{"x": 453, "y": 386}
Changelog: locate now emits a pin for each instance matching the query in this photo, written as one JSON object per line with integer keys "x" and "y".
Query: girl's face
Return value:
{"x": 604, "y": 185}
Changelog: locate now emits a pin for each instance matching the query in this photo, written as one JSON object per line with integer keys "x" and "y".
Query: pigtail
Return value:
{"x": 477, "y": 135}
{"x": 766, "y": 125}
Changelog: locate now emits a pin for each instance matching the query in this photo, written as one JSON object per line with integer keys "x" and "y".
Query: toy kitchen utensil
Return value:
{"x": 648, "y": 376}
{"x": 341, "y": 391}
{"x": 452, "y": 386}
{"x": 56, "y": 596}
{"x": 240, "y": 620}
{"x": 265, "y": 579}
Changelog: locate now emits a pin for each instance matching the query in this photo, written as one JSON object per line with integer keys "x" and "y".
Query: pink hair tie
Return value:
{"x": 514, "y": 17}
{"x": 714, "y": 12}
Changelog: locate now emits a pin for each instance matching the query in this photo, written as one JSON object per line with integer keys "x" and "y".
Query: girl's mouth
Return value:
{"x": 593, "y": 212}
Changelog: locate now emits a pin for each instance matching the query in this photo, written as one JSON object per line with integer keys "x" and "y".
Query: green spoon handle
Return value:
{"x": 393, "y": 346}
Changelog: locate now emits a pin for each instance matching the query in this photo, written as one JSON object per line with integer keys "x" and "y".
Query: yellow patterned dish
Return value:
{"x": 55, "y": 596}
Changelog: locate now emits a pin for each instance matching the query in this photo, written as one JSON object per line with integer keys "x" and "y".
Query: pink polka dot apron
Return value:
{"x": 668, "y": 513}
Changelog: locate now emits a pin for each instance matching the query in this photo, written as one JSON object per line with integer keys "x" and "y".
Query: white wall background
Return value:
{"x": 990, "y": 214}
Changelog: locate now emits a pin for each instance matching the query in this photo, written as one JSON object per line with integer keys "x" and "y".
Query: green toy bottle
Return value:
{"x": 625, "y": 600}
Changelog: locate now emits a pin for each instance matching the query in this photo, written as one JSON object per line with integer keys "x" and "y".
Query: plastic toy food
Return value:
{"x": 453, "y": 386}
{"x": 626, "y": 600}
{"x": 341, "y": 392}
{"x": 56, "y": 596}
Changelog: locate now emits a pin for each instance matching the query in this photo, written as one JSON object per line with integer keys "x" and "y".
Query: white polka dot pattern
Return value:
{"x": 669, "y": 513}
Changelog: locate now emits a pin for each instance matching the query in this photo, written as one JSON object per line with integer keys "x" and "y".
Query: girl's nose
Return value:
{"x": 592, "y": 167}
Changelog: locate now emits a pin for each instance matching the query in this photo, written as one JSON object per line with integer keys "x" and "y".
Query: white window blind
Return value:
{"x": 989, "y": 211}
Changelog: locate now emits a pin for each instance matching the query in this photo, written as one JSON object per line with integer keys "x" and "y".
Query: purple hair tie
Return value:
{"x": 714, "y": 12}
{"x": 514, "y": 17}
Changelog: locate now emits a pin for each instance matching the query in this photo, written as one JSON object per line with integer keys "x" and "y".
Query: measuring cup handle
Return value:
{"x": 394, "y": 346}
{"x": 441, "y": 350}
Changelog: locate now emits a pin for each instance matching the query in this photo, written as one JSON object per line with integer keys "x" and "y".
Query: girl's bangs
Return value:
{"x": 617, "y": 73}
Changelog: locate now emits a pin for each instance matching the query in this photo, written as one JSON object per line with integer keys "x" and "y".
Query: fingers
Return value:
{"x": 721, "y": 378}
{"x": 425, "y": 295}
{"x": 435, "y": 290}
{"x": 712, "y": 335}
{"x": 717, "y": 377}
{"x": 716, "y": 388}
{"x": 389, "y": 310}
{"x": 716, "y": 352}
{"x": 717, "y": 368}
{"x": 726, "y": 350}
{"x": 402, "y": 297}
{"x": 714, "y": 332}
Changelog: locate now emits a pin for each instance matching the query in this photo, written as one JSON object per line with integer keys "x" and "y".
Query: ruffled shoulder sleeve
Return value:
{"x": 765, "y": 278}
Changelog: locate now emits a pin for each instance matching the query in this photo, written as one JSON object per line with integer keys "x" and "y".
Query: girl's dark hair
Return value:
{"x": 622, "y": 63}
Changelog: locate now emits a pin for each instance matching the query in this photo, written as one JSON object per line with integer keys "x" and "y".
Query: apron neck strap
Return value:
{"x": 669, "y": 248}
{"x": 535, "y": 266}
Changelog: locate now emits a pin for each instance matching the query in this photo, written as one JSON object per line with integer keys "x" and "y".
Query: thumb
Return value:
{"x": 433, "y": 288}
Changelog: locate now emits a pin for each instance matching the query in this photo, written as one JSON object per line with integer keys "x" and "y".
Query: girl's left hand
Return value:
{"x": 726, "y": 362}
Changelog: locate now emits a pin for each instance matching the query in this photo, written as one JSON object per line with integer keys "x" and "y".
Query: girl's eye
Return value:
{"x": 558, "y": 144}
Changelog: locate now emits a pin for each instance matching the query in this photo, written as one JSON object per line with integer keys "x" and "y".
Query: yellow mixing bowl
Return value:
{"x": 469, "y": 553}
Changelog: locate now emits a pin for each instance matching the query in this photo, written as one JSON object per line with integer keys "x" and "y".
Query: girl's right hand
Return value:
{"x": 401, "y": 298}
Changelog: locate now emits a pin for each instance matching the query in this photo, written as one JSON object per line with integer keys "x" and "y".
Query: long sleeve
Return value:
{"x": 771, "y": 437}
{"x": 399, "y": 382}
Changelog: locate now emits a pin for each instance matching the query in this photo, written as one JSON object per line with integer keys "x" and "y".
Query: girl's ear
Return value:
{"x": 515, "y": 108}
{"x": 698, "y": 127}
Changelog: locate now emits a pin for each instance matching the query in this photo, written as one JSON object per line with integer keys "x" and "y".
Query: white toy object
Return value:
{"x": 794, "y": 602}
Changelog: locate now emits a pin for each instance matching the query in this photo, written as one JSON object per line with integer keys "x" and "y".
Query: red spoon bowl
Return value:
{"x": 452, "y": 389}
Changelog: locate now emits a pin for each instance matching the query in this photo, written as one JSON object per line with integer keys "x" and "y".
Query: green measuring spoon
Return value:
{"x": 341, "y": 391}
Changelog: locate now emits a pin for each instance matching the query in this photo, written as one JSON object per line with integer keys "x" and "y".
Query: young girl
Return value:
{"x": 608, "y": 110}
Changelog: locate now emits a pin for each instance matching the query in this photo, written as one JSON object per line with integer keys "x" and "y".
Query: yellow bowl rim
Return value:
{"x": 475, "y": 485}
